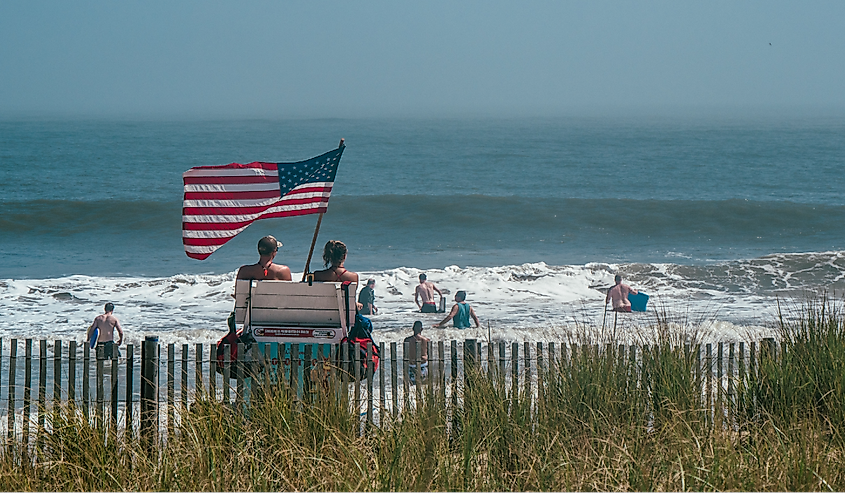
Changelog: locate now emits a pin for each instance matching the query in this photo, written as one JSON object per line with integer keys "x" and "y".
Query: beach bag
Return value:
{"x": 253, "y": 360}
{"x": 357, "y": 340}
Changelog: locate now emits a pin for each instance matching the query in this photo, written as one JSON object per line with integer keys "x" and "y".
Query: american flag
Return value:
{"x": 221, "y": 201}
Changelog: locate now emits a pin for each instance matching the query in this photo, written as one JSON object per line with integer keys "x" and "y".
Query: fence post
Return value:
{"x": 240, "y": 369}
{"x": 57, "y": 374}
{"x": 212, "y": 371}
{"x": 198, "y": 384}
{"x": 418, "y": 372}
{"x": 394, "y": 379}
{"x": 730, "y": 398}
{"x": 441, "y": 370}
{"x": 13, "y": 361}
{"x": 514, "y": 371}
{"x": 184, "y": 386}
{"x": 130, "y": 385}
{"x": 27, "y": 390}
{"x": 149, "y": 390}
{"x": 382, "y": 399}
{"x": 99, "y": 412}
{"x": 227, "y": 373}
{"x": 708, "y": 364}
{"x": 42, "y": 384}
{"x": 114, "y": 394}
{"x": 406, "y": 384}
{"x": 71, "y": 373}
{"x": 369, "y": 385}
{"x": 540, "y": 390}
{"x": 502, "y": 361}
{"x": 470, "y": 364}
{"x": 453, "y": 356}
{"x": 171, "y": 355}
{"x": 356, "y": 366}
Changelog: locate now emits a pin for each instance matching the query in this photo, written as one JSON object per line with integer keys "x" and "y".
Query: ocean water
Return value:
{"x": 717, "y": 218}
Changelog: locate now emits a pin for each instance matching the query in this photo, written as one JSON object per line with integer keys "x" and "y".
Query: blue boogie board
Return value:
{"x": 95, "y": 334}
{"x": 638, "y": 301}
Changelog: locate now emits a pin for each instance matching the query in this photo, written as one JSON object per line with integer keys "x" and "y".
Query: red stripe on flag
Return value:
{"x": 229, "y": 180}
{"x": 260, "y": 194}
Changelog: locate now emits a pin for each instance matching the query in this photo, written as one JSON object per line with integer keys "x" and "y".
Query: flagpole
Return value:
{"x": 314, "y": 240}
{"x": 311, "y": 251}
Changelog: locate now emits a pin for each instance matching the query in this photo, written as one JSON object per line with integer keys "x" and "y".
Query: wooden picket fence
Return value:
{"x": 138, "y": 390}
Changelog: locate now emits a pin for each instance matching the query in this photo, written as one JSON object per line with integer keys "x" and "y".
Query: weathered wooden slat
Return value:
{"x": 540, "y": 370}
{"x": 296, "y": 317}
{"x": 294, "y": 370}
{"x": 441, "y": 365}
{"x": 418, "y": 372}
{"x": 227, "y": 373}
{"x": 514, "y": 369}
{"x": 171, "y": 385}
{"x": 57, "y": 373}
{"x": 527, "y": 356}
{"x": 306, "y": 375}
{"x": 266, "y": 379}
{"x": 198, "y": 383}
{"x": 240, "y": 366}
{"x": 114, "y": 397}
{"x": 71, "y": 374}
{"x": 42, "y": 383}
{"x": 100, "y": 412}
{"x": 212, "y": 371}
{"x": 86, "y": 379}
{"x": 356, "y": 366}
{"x": 27, "y": 390}
{"x": 708, "y": 375}
{"x": 130, "y": 386}
{"x": 13, "y": 363}
{"x": 720, "y": 391}
{"x": 381, "y": 389}
{"x": 406, "y": 380}
{"x": 502, "y": 360}
{"x": 183, "y": 394}
{"x": 431, "y": 370}
{"x": 369, "y": 384}
{"x": 394, "y": 379}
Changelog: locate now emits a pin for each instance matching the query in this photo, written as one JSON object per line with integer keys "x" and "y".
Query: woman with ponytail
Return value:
{"x": 334, "y": 254}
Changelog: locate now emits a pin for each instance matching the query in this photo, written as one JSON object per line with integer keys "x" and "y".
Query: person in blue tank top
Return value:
{"x": 461, "y": 313}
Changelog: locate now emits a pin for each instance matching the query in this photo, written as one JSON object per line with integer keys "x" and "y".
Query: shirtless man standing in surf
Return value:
{"x": 265, "y": 268}
{"x": 425, "y": 290}
{"x": 619, "y": 295}
{"x": 106, "y": 323}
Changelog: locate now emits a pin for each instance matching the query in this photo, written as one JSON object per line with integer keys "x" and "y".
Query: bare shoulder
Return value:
{"x": 281, "y": 272}
{"x": 246, "y": 272}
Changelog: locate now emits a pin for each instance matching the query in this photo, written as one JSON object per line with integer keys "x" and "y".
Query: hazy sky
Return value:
{"x": 350, "y": 58}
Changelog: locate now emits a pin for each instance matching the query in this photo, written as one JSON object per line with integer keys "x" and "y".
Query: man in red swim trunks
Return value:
{"x": 619, "y": 295}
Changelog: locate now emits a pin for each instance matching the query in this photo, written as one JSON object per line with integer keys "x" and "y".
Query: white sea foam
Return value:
{"x": 528, "y": 302}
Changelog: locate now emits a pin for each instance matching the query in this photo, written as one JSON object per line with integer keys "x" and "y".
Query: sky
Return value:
{"x": 274, "y": 59}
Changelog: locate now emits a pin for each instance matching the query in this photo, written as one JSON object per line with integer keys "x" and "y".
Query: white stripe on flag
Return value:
{"x": 235, "y": 218}
{"x": 234, "y": 187}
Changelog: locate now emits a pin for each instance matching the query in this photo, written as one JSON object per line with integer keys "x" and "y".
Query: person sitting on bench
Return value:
{"x": 265, "y": 268}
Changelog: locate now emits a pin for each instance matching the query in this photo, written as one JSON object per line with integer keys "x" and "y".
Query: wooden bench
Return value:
{"x": 294, "y": 312}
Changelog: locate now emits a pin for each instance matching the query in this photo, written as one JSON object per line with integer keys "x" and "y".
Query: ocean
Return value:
{"x": 717, "y": 218}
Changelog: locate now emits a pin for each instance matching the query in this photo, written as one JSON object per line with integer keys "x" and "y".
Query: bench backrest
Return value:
{"x": 294, "y": 304}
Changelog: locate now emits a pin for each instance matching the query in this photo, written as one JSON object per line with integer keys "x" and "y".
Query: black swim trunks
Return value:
{"x": 428, "y": 308}
{"x": 109, "y": 349}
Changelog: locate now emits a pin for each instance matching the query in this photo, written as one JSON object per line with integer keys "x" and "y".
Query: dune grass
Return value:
{"x": 601, "y": 422}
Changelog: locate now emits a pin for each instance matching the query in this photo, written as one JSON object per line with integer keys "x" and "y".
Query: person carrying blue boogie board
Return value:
{"x": 618, "y": 295}
{"x": 105, "y": 325}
